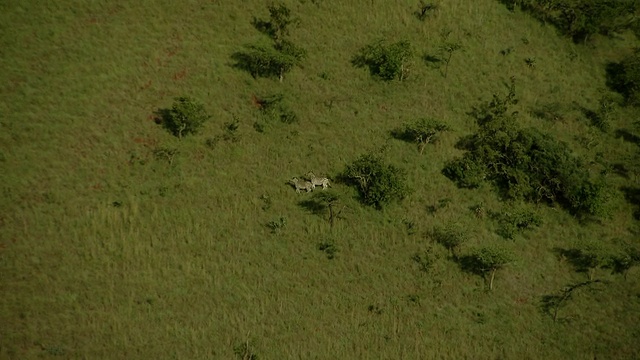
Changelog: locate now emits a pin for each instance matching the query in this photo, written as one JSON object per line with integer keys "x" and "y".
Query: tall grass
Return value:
{"x": 107, "y": 251}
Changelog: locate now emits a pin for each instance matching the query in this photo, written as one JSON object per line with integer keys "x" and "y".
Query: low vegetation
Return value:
{"x": 148, "y": 206}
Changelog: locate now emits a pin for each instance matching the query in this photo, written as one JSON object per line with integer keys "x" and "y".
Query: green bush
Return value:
{"x": 580, "y": 19}
{"x": 378, "y": 183}
{"x": 465, "y": 172}
{"x": 186, "y": 116}
{"x": 387, "y": 62}
{"x": 451, "y": 236}
{"x": 512, "y": 223}
{"x": 275, "y": 107}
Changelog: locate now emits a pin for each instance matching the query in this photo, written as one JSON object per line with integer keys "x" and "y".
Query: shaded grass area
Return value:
{"x": 114, "y": 246}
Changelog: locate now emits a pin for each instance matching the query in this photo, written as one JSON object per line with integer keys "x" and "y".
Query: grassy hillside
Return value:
{"x": 110, "y": 249}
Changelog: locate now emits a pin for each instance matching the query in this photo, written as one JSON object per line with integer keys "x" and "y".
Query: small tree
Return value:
{"x": 278, "y": 25}
{"x": 186, "y": 116}
{"x": 448, "y": 48}
{"x": 378, "y": 183}
{"x": 551, "y": 304}
{"x": 451, "y": 237}
{"x": 490, "y": 259}
{"x": 625, "y": 259}
{"x": 589, "y": 255}
{"x": 422, "y": 132}
{"x": 262, "y": 60}
{"x": 276, "y": 58}
{"x": 322, "y": 201}
{"x": 387, "y": 62}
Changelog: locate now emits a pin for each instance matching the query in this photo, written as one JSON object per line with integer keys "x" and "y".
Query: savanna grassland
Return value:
{"x": 119, "y": 240}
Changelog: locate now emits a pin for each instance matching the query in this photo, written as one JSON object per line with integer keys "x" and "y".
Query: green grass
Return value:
{"x": 108, "y": 252}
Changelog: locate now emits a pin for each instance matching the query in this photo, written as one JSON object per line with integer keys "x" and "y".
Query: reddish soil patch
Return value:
{"x": 171, "y": 52}
{"x": 146, "y": 86}
{"x": 180, "y": 75}
{"x": 521, "y": 300}
{"x": 255, "y": 101}
{"x": 147, "y": 142}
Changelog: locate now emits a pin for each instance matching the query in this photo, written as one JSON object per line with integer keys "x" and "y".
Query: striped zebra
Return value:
{"x": 301, "y": 185}
{"x": 318, "y": 181}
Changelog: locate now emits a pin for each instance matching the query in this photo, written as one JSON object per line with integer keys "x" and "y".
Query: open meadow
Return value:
{"x": 119, "y": 240}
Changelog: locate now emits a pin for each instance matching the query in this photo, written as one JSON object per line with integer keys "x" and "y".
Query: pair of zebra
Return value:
{"x": 310, "y": 184}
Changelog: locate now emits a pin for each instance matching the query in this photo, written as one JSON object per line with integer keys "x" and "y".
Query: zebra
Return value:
{"x": 317, "y": 181}
{"x": 301, "y": 185}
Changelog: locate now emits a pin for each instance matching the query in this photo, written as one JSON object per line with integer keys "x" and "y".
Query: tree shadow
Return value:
{"x": 632, "y": 195}
{"x": 251, "y": 62}
{"x": 575, "y": 257}
{"x": 467, "y": 142}
{"x": 615, "y": 79}
{"x": 265, "y": 27}
{"x": 425, "y": 10}
{"x": 469, "y": 264}
{"x": 402, "y": 134}
{"x": 162, "y": 117}
{"x": 432, "y": 61}
{"x": 314, "y": 206}
{"x": 628, "y": 136}
{"x": 621, "y": 170}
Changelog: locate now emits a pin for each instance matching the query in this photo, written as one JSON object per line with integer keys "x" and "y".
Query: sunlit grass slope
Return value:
{"x": 108, "y": 250}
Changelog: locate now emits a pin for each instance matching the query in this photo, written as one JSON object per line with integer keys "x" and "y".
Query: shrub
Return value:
{"x": 512, "y": 223}
{"x": 387, "y": 62}
{"x": 580, "y": 19}
{"x": 329, "y": 248}
{"x": 186, "y": 116}
{"x": 465, "y": 172}
{"x": 275, "y": 107}
{"x": 276, "y": 226}
{"x": 378, "y": 183}
{"x": 450, "y": 236}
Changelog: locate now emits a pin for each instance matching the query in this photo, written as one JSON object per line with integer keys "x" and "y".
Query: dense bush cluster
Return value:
{"x": 524, "y": 163}
{"x": 386, "y": 61}
{"x": 582, "y": 18}
{"x": 378, "y": 183}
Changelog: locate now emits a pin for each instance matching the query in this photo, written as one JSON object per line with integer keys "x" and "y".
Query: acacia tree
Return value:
{"x": 450, "y": 236}
{"x": 277, "y": 27}
{"x": 490, "y": 259}
{"x": 186, "y": 116}
{"x": 422, "y": 132}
